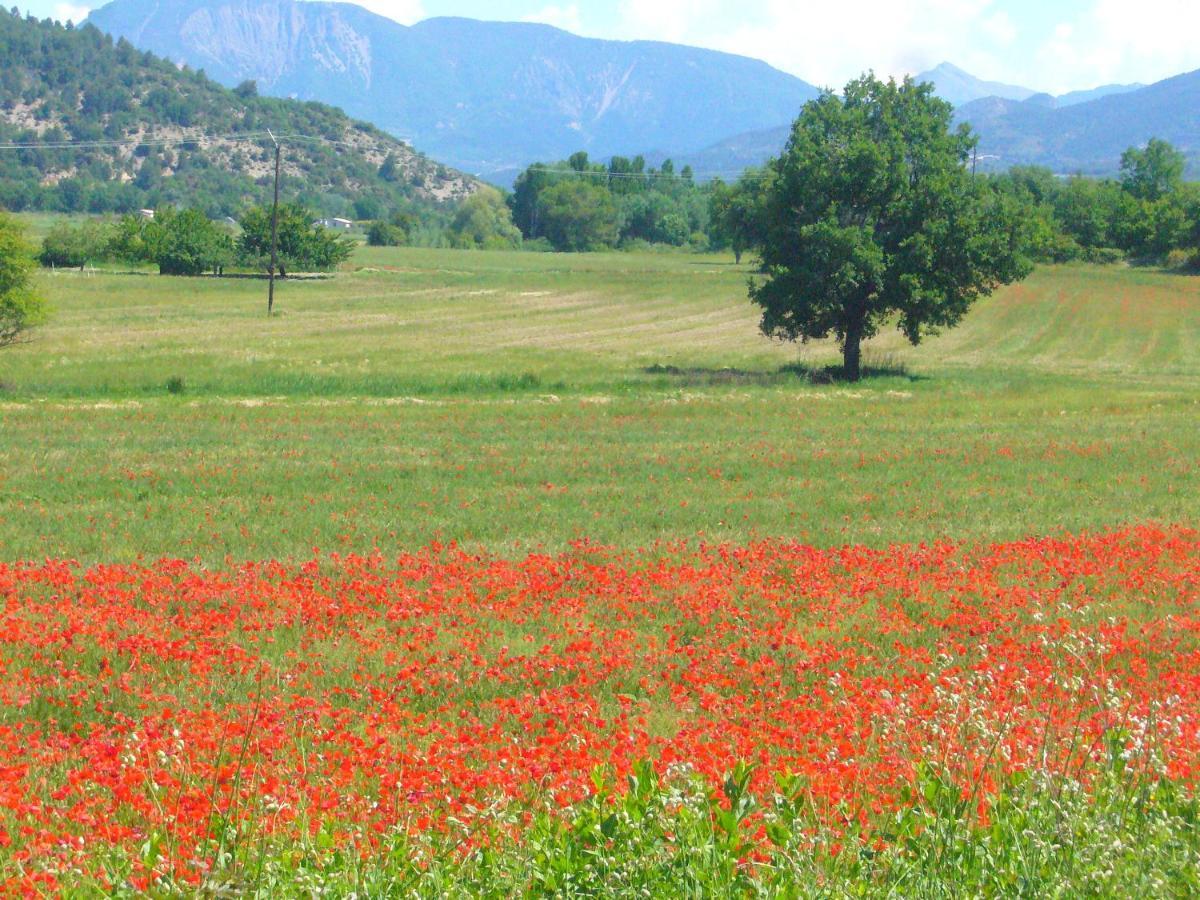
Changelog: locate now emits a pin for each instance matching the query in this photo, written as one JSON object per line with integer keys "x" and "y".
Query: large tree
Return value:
{"x": 873, "y": 216}
{"x": 484, "y": 222}
{"x": 1152, "y": 172}
{"x": 577, "y": 216}
{"x": 20, "y": 307}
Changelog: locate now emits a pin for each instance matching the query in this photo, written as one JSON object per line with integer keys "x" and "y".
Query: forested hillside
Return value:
{"x": 89, "y": 124}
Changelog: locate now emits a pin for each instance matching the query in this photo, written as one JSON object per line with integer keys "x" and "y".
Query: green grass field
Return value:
{"x": 1007, "y": 718}
{"x": 521, "y": 400}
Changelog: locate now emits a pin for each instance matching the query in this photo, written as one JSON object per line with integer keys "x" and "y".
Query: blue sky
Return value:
{"x": 1053, "y": 45}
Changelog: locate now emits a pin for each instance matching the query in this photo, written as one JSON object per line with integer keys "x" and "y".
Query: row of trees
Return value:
{"x": 187, "y": 242}
{"x": 1149, "y": 213}
{"x": 580, "y": 205}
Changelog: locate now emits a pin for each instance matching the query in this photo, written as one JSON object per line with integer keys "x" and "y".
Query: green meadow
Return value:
{"x": 513, "y": 401}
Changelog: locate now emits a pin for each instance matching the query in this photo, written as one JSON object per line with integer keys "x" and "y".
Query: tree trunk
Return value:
{"x": 852, "y": 353}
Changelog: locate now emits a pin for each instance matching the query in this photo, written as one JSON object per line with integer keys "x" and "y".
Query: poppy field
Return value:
{"x": 174, "y": 726}
{"x": 483, "y": 574}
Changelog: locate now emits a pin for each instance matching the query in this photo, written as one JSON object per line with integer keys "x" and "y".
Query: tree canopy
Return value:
{"x": 1153, "y": 171}
{"x": 21, "y": 307}
{"x": 577, "y": 216}
{"x": 484, "y": 222}
{"x": 872, "y": 216}
{"x": 304, "y": 245}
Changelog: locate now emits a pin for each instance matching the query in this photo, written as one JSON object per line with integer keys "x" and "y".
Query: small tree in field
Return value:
{"x": 872, "y": 216}
{"x": 75, "y": 246}
{"x": 303, "y": 244}
{"x": 20, "y": 307}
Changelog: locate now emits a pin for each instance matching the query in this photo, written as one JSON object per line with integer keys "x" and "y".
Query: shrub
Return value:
{"x": 21, "y": 307}
{"x": 385, "y": 234}
{"x": 74, "y": 246}
{"x": 1184, "y": 260}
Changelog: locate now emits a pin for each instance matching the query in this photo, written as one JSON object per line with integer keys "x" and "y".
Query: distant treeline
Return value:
{"x": 1149, "y": 214}
{"x": 580, "y": 205}
{"x": 187, "y": 242}
{"x": 577, "y": 205}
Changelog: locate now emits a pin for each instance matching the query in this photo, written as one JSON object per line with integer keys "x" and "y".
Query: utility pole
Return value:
{"x": 274, "y": 231}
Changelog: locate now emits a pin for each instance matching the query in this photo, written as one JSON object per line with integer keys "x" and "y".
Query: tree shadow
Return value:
{"x": 793, "y": 373}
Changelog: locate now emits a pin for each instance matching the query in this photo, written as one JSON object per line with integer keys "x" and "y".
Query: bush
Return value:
{"x": 302, "y": 244}
{"x": 484, "y": 222}
{"x": 385, "y": 234}
{"x": 74, "y": 246}
{"x": 577, "y": 217}
{"x": 190, "y": 244}
{"x": 20, "y": 307}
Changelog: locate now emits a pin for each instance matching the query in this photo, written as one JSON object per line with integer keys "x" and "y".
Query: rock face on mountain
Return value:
{"x": 486, "y": 96}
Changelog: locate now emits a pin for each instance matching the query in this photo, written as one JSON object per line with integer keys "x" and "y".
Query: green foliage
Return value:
{"x": 873, "y": 217}
{"x": 188, "y": 243}
{"x": 70, "y": 246}
{"x": 398, "y": 231}
{"x": 1146, "y": 216}
{"x": 653, "y": 835}
{"x": 738, "y": 211}
{"x": 385, "y": 234}
{"x": 21, "y": 308}
{"x": 577, "y": 216}
{"x": 624, "y": 202}
{"x": 484, "y": 222}
{"x": 303, "y": 244}
{"x": 1152, "y": 172}
{"x": 179, "y": 242}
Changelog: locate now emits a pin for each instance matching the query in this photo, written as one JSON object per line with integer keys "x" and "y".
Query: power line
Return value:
{"x": 242, "y": 137}
{"x": 264, "y": 137}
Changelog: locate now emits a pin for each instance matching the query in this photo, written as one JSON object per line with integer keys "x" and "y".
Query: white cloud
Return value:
{"x": 1000, "y": 28}
{"x": 677, "y": 21}
{"x": 1114, "y": 40}
{"x": 406, "y": 12}
{"x": 70, "y": 12}
{"x": 829, "y": 43}
{"x": 564, "y": 17}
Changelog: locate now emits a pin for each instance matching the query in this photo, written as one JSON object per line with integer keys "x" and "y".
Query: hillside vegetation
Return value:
{"x": 105, "y": 127}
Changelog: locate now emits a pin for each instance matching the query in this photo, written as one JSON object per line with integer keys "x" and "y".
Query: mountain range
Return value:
{"x": 1066, "y": 134}
{"x": 961, "y": 87}
{"x": 493, "y": 97}
{"x": 487, "y": 97}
